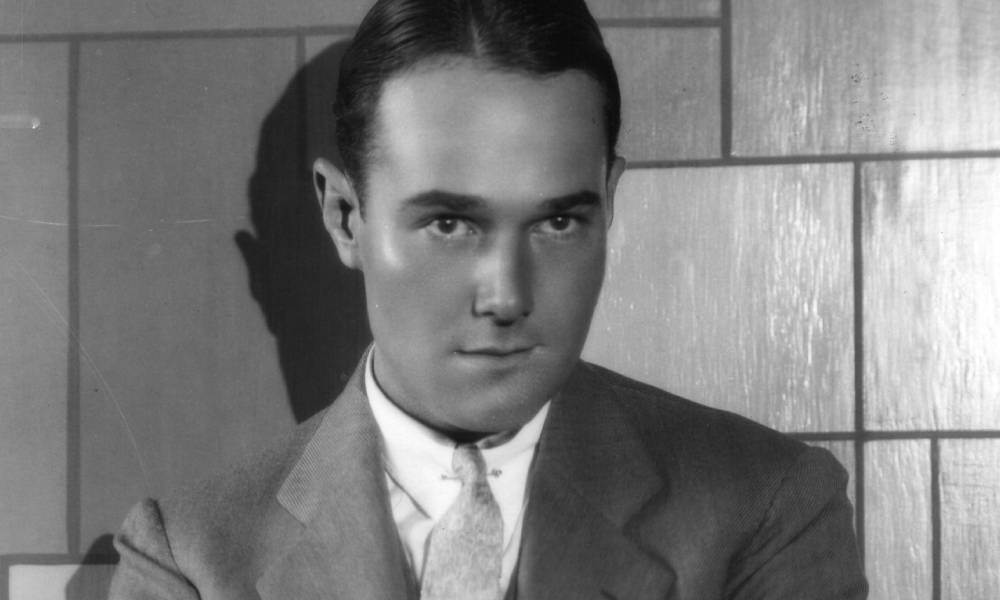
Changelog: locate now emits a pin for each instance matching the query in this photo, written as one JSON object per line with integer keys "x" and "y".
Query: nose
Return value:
{"x": 503, "y": 291}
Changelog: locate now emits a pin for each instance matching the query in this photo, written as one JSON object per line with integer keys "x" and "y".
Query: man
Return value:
{"x": 473, "y": 455}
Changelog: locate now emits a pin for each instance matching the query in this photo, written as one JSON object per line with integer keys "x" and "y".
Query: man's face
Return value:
{"x": 483, "y": 242}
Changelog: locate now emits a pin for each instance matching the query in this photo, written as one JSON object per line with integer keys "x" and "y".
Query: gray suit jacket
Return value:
{"x": 634, "y": 494}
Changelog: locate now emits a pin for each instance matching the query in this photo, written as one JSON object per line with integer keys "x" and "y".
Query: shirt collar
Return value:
{"x": 416, "y": 456}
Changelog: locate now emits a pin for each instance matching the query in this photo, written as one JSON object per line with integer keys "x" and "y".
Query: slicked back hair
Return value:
{"x": 535, "y": 37}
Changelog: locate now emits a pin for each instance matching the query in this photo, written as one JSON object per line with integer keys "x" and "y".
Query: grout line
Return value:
{"x": 935, "y": 520}
{"x": 797, "y": 159}
{"x": 822, "y": 436}
{"x": 662, "y": 22}
{"x": 944, "y": 434}
{"x": 869, "y": 435}
{"x": 103, "y": 36}
{"x": 726, "y": 79}
{"x": 307, "y": 30}
{"x": 47, "y": 558}
{"x": 73, "y": 442}
{"x": 857, "y": 245}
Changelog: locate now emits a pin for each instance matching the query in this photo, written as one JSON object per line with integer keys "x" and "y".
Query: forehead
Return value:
{"x": 472, "y": 129}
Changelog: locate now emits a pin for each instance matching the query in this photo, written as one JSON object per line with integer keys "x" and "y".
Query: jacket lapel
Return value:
{"x": 589, "y": 484}
{"x": 590, "y": 481}
{"x": 348, "y": 546}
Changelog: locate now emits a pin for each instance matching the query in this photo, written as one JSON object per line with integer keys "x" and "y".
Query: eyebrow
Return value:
{"x": 583, "y": 199}
{"x": 439, "y": 199}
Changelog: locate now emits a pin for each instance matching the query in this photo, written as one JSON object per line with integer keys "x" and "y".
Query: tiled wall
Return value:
{"x": 807, "y": 235}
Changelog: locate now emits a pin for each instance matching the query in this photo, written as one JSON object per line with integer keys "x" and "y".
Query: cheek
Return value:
{"x": 571, "y": 283}
{"x": 406, "y": 282}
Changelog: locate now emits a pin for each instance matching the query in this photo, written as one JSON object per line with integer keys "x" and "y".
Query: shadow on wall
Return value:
{"x": 92, "y": 580}
{"x": 314, "y": 305}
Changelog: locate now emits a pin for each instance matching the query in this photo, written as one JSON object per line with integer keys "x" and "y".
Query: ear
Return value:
{"x": 615, "y": 171}
{"x": 341, "y": 210}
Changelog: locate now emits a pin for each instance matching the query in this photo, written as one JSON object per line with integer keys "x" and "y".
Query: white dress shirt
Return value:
{"x": 421, "y": 483}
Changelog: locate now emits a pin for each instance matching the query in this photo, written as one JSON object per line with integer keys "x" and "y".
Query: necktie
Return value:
{"x": 466, "y": 544}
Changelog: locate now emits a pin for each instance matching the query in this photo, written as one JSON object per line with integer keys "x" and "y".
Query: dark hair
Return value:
{"x": 539, "y": 37}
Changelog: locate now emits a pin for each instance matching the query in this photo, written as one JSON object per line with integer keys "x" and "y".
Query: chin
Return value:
{"x": 503, "y": 409}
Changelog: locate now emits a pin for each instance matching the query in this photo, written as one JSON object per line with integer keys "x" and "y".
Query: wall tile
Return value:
{"x": 33, "y": 377}
{"x": 669, "y": 81}
{"x": 732, "y": 286}
{"x": 898, "y": 519}
{"x": 970, "y": 526}
{"x": 34, "y": 297}
{"x": 57, "y": 582}
{"x": 812, "y": 76}
{"x": 181, "y": 374}
{"x": 33, "y": 156}
{"x": 67, "y": 16}
{"x": 637, "y": 9}
{"x": 932, "y": 288}
{"x": 323, "y": 54}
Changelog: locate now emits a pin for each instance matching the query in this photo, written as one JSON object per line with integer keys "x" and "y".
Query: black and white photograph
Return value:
{"x": 500, "y": 299}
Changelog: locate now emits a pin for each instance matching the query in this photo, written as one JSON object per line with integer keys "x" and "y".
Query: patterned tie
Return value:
{"x": 466, "y": 545}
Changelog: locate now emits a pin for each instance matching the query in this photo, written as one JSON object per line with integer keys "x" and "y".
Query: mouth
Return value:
{"x": 495, "y": 352}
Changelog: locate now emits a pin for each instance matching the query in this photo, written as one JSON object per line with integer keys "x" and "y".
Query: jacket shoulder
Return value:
{"x": 706, "y": 446}
{"x": 206, "y": 522}
{"x": 762, "y": 505}
{"x": 655, "y": 408}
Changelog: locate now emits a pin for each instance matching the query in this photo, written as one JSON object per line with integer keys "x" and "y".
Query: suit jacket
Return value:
{"x": 634, "y": 494}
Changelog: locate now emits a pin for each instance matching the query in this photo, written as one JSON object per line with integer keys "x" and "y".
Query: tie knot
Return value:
{"x": 468, "y": 464}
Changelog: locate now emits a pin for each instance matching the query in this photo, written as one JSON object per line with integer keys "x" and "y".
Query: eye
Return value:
{"x": 560, "y": 224}
{"x": 449, "y": 227}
